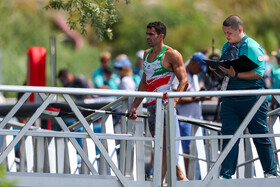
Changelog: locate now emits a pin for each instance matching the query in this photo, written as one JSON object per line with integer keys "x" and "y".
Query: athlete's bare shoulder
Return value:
{"x": 146, "y": 52}
{"x": 172, "y": 54}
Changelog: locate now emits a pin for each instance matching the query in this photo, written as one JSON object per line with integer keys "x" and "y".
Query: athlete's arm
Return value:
{"x": 138, "y": 100}
{"x": 175, "y": 59}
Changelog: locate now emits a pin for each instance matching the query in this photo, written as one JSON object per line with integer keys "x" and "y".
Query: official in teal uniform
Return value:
{"x": 235, "y": 109}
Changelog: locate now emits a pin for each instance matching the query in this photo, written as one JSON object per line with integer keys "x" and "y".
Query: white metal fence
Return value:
{"x": 214, "y": 168}
{"x": 50, "y": 156}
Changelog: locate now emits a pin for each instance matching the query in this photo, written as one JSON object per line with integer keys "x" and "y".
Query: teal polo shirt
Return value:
{"x": 253, "y": 51}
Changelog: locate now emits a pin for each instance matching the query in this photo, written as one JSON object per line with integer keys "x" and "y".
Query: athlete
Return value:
{"x": 161, "y": 64}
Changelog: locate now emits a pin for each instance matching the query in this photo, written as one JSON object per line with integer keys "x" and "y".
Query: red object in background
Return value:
{"x": 49, "y": 124}
{"x": 36, "y": 68}
{"x": 36, "y": 71}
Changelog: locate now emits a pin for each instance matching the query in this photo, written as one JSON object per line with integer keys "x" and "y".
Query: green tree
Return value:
{"x": 98, "y": 13}
{"x": 192, "y": 24}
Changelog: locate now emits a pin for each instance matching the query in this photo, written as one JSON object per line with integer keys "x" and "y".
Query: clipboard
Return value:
{"x": 241, "y": 64}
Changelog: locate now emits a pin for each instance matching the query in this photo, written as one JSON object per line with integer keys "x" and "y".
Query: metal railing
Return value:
{"x": 127, "y": 168}
{"x": 48, "y": 95}
{"x": 233, "y": 138}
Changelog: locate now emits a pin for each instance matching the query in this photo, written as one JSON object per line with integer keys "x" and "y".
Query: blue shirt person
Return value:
{"x": 99, "y": 77}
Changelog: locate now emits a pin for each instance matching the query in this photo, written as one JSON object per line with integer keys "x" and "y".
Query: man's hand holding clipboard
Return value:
{"x": 230, "y": 67}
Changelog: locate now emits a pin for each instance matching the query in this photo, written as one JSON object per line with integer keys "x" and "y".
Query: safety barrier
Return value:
{"x": 52, "y": 155}
{"x": 59, "y": 161}
{"x": 249, "y": 151}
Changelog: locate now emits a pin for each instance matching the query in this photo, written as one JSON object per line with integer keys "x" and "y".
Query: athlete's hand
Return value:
{"x": 132, "y": 113}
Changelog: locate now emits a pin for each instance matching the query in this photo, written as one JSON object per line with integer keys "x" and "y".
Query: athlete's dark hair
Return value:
{"x": 233, "y": 21}
{"x": 159, "y": 27}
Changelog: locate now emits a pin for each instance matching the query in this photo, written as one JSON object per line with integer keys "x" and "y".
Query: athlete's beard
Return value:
{"x": 150, "y": 43}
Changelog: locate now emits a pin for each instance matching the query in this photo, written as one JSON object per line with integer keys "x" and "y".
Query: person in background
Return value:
{"x": 209, "y": 79}
{"x": 268, "y": 75}
{"x": 191, "y": 106}
{"x": 138, "y": 69}
{"x": 268, "y": 71}
{"x": 161, "y": 64}
{"x": 136, "y": 78}
{"x": 98, "y": 78}
{"x": 110, "y": 79}
{"x": 276, "y": 54}
{"x": 276, "y": 78}
{"x": 235, "y": 108}
{"x": 67, "y": 79}
{"x": 123, "y": 67}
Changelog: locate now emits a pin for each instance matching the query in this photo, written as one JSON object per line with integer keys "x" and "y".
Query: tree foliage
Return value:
{"x": 192, "y": 24}
{"x": 97, "y": 13}
{"x": 4, "y": 182}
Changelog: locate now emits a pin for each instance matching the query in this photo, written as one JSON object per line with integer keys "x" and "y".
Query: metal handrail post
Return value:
{"x": 170, "y": 144}
{"x": 123, "y": 142}
{"x": 102, "y": 162}
{"x": 139, "y": 147}
{"x": 130, "y": 125}
{"x": 158, "y": 143}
